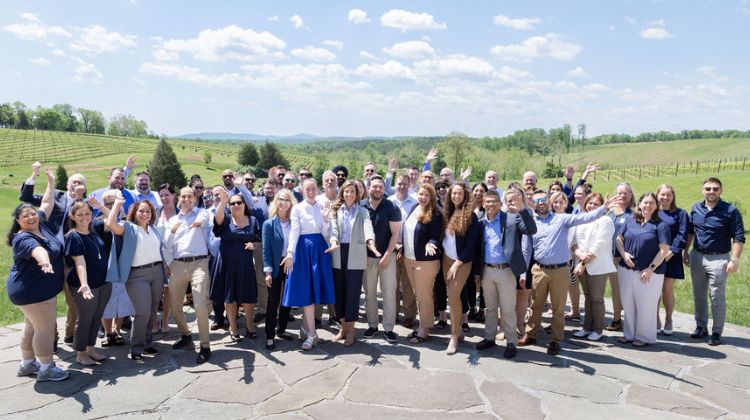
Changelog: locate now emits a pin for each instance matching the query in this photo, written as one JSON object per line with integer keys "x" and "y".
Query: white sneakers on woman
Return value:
{"x": 310, "y": 342}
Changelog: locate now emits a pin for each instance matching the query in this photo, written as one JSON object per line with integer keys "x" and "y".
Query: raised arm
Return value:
{"x": 111, "y": 221}
{"x": 48, "y": 200}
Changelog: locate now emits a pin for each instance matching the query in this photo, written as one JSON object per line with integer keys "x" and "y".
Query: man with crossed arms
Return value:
{"x": 186, "y": 256}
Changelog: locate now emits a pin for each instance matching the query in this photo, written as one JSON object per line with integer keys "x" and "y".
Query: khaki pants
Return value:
{"x": 260, "y": 278}
{"x": 387, "y": 277}
{"x": 194, "y": 273}
{"x": 407, "y": 299}
{"x": 422, "y": 278}
{"x": 593, "y": 292}
{"x": 615, "y": 287}
{"x": 454, "y": 288}
{"x": 552, "y": 282}
{"x": 71, "y": 315}
{"x": 499, "y": 287}
{"x": 38, "y": 333}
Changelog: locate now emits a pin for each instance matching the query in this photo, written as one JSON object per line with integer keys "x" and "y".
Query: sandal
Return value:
{"x": 109, "y": 340}
{"x": 235, "y": 338}
{"x": 118, "y": 339}
{"x": 440, "y": 325}
{"x": 639, "y": 343}
{"x": 250, "y": 334}
{"x": 415, "y": 339}
{"x": 624, "y": 340}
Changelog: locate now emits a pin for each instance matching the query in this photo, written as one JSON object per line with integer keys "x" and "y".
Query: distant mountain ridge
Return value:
{"x": 247, "y": 136}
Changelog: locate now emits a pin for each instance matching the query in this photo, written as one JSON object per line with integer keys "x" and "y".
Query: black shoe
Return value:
{"x": 465, "y": 327}
{"x": 391, "y": 337}
{"x": 284, "y": 335}
{"x": 699, "y": 332}
{"x": 68, "y": 339}
{"x": 715, "y": 339}
{"x": 553, "y": 349}
{"x": 370, "y": 332}
{"x": 136, "y": 357}
{"x": 250, "y": 334}
{"x": 472, "y": 316}
{"x": 217, "y": 326}
{"x": 271, "y": 345}
{"x": 334, "y": 322}
{"x": 54, "y": 347}
{"x": 151, "y": 350}
{"x": 480, "y": 316}
{"x": 485, "y": 344}
{"x": 615, "y": 325}
{"x": 203, "y": 355}
{"x": 183, "y": 341}
{"x": 318, "y": 323}
{"x": 259, "y": 317}
{"x": 127, "y": 323}
{"x": 510, "y": 351}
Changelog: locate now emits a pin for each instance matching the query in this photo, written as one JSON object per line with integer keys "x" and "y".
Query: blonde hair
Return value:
{"x": 273, "y": 209}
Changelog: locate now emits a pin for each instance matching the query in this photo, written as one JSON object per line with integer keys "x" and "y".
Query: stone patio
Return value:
{"x": 677, "y": 378}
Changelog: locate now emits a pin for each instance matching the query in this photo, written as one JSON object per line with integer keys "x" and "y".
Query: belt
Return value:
{"x": 153, "y": 264}
{"x": 502, "y": 266}
{"x": 191, "y": 259}
{"x": 552, "y": 266}
{"x": 711, "y": 253}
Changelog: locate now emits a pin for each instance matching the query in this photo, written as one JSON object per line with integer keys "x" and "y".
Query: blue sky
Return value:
{"x": 385, "y": 67}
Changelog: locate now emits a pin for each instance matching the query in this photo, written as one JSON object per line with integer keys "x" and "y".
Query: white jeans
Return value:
{"x": 639, "y": 301}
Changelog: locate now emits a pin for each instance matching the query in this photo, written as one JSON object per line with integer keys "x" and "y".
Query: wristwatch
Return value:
{"x": 652, "y": 267}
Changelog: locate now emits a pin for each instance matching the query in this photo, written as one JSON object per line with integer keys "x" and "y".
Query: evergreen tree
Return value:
{"x": 164, "y": 167}
{"x": 248, "y": 155}
{"x": 270, "y": 156}
{"x": 61, "y": 176}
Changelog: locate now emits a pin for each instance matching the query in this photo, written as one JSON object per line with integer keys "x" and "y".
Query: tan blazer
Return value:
{"x": 361, "y": 233}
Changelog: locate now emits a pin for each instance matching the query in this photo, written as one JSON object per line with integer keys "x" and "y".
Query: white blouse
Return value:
{"x": 409, "y": 228}
{"x": 449, "y": 245}
{"x": 306, "y": 219}
{"x": 147, "y": 247}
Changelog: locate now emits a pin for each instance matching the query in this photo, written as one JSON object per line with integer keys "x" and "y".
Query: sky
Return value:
{"x": 385, "y": 68}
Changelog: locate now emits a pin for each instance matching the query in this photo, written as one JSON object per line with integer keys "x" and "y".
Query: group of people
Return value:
{"x": 429, "y": 244}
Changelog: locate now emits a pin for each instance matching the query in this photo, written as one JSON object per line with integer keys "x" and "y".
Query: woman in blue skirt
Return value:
{"x": 677, "y": 221}
{"x": 307, "y": 263}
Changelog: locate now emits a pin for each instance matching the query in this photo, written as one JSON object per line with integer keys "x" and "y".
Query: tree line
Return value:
{"x": 66, "y": 117}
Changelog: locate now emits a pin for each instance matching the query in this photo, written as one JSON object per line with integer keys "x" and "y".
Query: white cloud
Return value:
{"x": 58, "y": 52}
{"x": 410, "y": 21}
{"x": 630, "y": 21}
{"x": 30, "y": 17}
{"x": 410, "y": 49}
{"x": 367, "y": 55}
{"x": 297, "y": 21}
{"x": 455, "y": 65}
{"x": 40, "y": 61}
{"x": 357, "y": 16}
{"x": 656, "y": 33}
{"x": 548, "y": 45}
{"x": 164, "y": 55}
{"x": 86, "y": 72}
{"x": 273, "y": 18}
{"x": 524, "y": 24}
{"x": 388, "y": 70}
{"x": 34, "y": 29}
{"x": 334, "y": 43}
{"x": 96, "y": 39}
{"x": 231, "y": 42}
{"x": 309, "y": 52}
{"x": 577, "y": 72}
{"x": 712, "y": 73}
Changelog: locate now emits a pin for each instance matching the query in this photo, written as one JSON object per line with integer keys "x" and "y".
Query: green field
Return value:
{"x": 94, "y": 155}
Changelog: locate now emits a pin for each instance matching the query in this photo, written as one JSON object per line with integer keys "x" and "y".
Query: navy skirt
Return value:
{"x": 675, "y": 269}
{"x": 311, "y": 279}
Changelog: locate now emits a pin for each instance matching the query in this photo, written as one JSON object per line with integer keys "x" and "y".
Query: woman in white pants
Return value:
{"x": 643, "y": 242}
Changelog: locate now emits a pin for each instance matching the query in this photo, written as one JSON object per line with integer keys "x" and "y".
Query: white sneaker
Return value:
{"x": 53, "y": 373}
{"x": 310, "y": 342}
{"x": 594, "y": 336}
{"x": 32, "y": 369}
{"x": 581, "y": 333}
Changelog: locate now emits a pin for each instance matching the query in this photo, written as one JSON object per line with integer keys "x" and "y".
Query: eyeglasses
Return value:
{"x": 283, "y": 200}
{"x": 236, "y": 203}
{"x": 199, "y": 187}
{"x": 714, "y": 189}
{"x": 304, "y": 174}
{"x": 443, "y": 187}
{"x": 249, "y": 179}
{"x": 540, "y": 200}
{"x": 291, "y": 180}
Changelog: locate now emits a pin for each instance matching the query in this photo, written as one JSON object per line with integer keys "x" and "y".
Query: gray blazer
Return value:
{"x": 361, "y": 233}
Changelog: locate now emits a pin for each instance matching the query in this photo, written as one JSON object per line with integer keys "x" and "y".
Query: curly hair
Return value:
{"x": 426, "y": 216}
{"x": 458, "y": 218}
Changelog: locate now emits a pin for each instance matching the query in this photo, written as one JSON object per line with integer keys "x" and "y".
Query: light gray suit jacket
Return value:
{"x": 361, "y": 233}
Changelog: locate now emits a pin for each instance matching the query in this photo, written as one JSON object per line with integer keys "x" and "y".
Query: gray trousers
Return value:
{"x": 89, "y": 316}
{"x": 144, "y": 287}
{"x": 709, "y": 276}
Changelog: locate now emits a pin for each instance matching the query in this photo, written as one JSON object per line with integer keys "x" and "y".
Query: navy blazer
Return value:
{"x": 513, "y": 226}
{"x": 273, "y": 242}
{"x": 468, "y": 243}
{"x": 56, "y": 219}
{"x": 426, "y": 234}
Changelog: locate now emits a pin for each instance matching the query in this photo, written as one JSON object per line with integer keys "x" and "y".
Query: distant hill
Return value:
{"x": 296, "y": 138}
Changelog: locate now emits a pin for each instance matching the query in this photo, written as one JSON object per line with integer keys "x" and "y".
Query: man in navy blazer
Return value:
{"x": 501, "y": 261}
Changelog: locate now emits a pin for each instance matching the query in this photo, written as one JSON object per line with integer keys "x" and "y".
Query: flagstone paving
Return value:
{"x": 677, "y": 378}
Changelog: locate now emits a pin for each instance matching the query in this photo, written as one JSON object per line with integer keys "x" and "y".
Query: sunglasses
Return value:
{"x": 282, "y": 175}
{"x": 227, "y": 176}
{"x": 290, "y": 180}
{"x": 236, "y": 203}
{"x": 249, "y": 179}
{"x": 340, "y": 176}
{"x": 305, "y": 174}
{"x": 540, "y": 200}
{"x": 715, "y": 189}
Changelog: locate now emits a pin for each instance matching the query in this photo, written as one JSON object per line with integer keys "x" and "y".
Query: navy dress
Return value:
{"x": 26, "y": 282}
{"x": 677, "y": 222}
{"x": 234, "y": 280}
